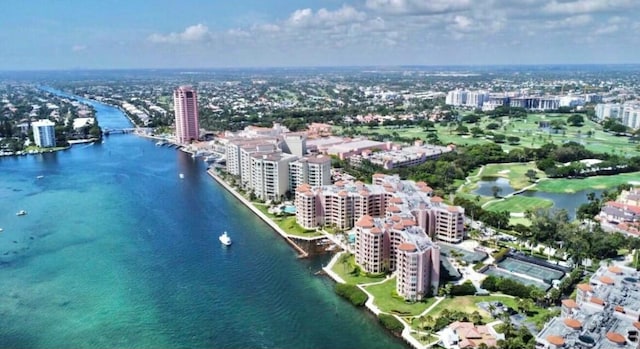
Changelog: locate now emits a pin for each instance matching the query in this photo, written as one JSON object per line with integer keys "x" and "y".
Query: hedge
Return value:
{"x": 500, "y": 255}
{"x": 351, "y": 292}
{"x": 391, "y": 323}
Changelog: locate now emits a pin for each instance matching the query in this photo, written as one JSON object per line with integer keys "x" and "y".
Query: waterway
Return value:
{"x": 117, "y": 251}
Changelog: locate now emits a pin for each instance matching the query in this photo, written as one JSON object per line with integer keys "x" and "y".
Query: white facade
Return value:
{"x": 631, "y": 115}
{"x": 456, "y": 98}
{"x": 44, "y": 133}
{"x": 313, "y": 170}
{"x": 270, "y": 175}
{"x": 607, "y": 110}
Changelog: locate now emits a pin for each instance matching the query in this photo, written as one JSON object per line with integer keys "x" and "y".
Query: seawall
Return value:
{"x": 272, "y": 224}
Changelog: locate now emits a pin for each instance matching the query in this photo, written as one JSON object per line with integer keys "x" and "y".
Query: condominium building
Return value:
{"x": 456, "y": 98}
{"x": 394, "y": 243}
{"x": 628, "y": 113}
{"x": 185, "y": 103}
{"x": 604, "y": 315}
{"x": 270, "y": 175}
{"x": 343, "y": 203}
{"x": 631, "y": 115}
{"x": 607, "y": 111}
{"x": 235, "y": 148}
{"x": 314, "y": 170}
{"x": 44, "y": 133}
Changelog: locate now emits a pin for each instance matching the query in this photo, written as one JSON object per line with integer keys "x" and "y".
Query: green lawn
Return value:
{"x": 345, "y": 271}
{"x": 527, "y": 130}
{"x": 287, "y": 223}
{"x": 467, "y": 304}
{"x": 388, "y": 301}
{"x": 423, "y": 338}
{"x": 519, "y": 203}
{"x": 515, "y": 172}
{"x": 564, "y": 185}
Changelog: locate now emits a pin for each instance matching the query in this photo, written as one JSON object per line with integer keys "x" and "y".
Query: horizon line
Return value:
{"x": 318, "y": 66}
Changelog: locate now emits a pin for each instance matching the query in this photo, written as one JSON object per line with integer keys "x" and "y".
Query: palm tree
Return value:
{"x": 492, "y": 309}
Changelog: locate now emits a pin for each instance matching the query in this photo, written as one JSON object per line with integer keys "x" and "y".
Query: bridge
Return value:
{"x": 110, "y": 131}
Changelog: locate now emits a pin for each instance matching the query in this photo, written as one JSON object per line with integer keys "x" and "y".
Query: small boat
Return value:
{"x": 40, "y": 177}
{"x": 21, "y": 213}
{"x": 225, "y": 239}
{"x": 181, "y": 176}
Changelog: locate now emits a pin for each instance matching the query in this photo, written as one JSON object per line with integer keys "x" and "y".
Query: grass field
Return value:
{"x": 519, "y": 203}
{"x": 344, "y": 270}
{"x": 527, "y": 130}
{"x": 468, "y": 304}
{"x": 287, "y": 223}
{"x": 515, "y": 172}
{"x": 388, "y": 301}
{"x": 597, "y": 182}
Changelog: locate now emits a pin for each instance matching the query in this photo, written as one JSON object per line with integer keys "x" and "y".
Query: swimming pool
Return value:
{"x": 289, "y": 209}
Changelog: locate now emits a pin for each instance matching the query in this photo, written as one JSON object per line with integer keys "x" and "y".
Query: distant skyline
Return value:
{"x": 119, "y": 34}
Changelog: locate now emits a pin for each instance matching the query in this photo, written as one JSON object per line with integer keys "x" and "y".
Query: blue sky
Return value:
{"x": 72, "y": 34}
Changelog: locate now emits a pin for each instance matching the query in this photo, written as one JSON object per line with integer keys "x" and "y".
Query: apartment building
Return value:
{"x": 270, "y": 175}
{"x": 343, "y": 203}
{"x": 44, "y": 133}
{"x": 604, "y": 315}
{"x": 314, "y": 170}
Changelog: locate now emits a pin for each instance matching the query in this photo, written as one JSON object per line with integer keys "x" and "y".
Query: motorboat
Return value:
{"x": 181, "y": 176}
{"x": 21, "y": 213}
{"x": 225, "y": 239}
{"x": 40, "y": 177}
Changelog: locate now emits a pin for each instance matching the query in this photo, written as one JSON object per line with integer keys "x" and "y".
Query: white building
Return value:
{"x": 607, "y": 110}
{"x": 314, "y": 170}
{"x": 270, "y": 175}
{"x": 456, "y": 98}
{"x": 631, "y": 115}
{"x": 44, "y": 133}
{"x": 475, "y": 99}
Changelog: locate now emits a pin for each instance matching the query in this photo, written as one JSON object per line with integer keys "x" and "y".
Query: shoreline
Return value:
{"x": 270, "y": 223}
{"x": 406, "y": 332}
{"x": 372, "y": 308}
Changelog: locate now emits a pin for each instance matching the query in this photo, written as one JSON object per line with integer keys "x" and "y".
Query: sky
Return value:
{"x": 121, "y": 34}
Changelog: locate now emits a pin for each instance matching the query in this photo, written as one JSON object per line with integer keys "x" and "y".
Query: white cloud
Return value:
{"x": 588, "y": 6}
{"x": 323, "y": 17}
{"x": 418, "y": 7}
{"x": 78, "y": 48}
{"x": 569, "y": 22}
{"x": 605, "y": 30}
{"x": 194, "y": 33}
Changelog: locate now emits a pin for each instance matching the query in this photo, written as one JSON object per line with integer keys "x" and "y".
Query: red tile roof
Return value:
{"x": 405, "y": 246}
{"x": 616, "y": 338}
{"x": 573, "y": 323}
{"x": 555, "y": 340}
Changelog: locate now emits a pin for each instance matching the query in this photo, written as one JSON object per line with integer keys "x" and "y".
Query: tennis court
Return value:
{"x": 530, "y": 269}
{"x": 467, "y": 256}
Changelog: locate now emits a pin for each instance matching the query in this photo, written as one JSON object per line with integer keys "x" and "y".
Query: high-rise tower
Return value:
{"x": 185, "y": 104}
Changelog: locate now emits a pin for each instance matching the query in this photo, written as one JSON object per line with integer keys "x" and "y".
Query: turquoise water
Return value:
{"x": 290, "y": 209}
{"x": 117, "y": 251}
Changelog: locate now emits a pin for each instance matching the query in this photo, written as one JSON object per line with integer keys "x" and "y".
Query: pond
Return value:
{"x": 567, "y": 201}
{"x": 485, "y": 187}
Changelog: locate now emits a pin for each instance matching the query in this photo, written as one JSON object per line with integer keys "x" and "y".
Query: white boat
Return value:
{"x": 181, "y": 176}
{"x": 40, "y": 177}
{"x": 21, "y": 213}
{"x": 225, "y": 239}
